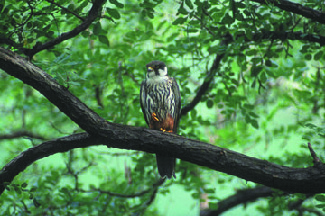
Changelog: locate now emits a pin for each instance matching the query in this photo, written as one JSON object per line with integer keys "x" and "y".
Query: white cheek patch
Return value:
{"x": 163, "y": 72}
{"x": 151, "y": 74}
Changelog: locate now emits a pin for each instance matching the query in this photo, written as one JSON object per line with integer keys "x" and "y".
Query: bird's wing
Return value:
{"x": 143, "y": 101}
{"x": 177, "y": 98}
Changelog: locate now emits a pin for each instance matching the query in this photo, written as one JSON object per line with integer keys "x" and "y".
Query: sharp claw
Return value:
{"x": 163, "y": 130}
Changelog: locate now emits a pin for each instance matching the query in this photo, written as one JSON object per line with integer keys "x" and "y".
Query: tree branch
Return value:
{"x": 210, "y": 76}
{"x": 66, "y": 9}
{"x": 316, "y": 159}
{"x": 302, "y": 180}
{"x": 250, "y": 195}
{"x": 282, "y": 35}
{"x": 134, "y": 195}
{"x": 241, "y": 197}
{"x": 9, "y": 42}
{"x": 298, "y": 180}
{"x": 93, "y": 14}
{"x": 57, "y": 94}
{"x": 20, "y": 134}
{"x": 292, "y": 7}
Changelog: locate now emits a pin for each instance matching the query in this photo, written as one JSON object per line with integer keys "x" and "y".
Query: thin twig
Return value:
{"x": 21, "y": 134}
{"x": 209, "y": 78}
{"x": 66, "y": 9}
{"x": 94, "y": 13}
{"x": 134, "y": 195}
{"x": 316, "y": 159}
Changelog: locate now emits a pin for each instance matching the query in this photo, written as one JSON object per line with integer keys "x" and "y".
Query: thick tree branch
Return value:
{"x": 58, "y": 95}
{"x": 292, "y": 7}
{"x": 299, "y": 180}
{"x": 241, "y": 197}
{"x": 93, "y": 14}
{"x": 303, "y": 180}
{"x": 250, "y": 195}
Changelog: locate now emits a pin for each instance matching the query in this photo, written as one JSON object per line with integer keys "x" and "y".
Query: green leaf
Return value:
{"x": 256, "y": 70}
{"x": 97, "y": 28}
{"x": 36, "y": 203}
{"x": 33, "y": 189}
{"x": 254, "y": 123}
{"x": 249, "y": 35}
{"x": 308, "y": 56}
{"x": 64, "y": 190}
{"x": 17, "y": 189}
{"x": 193, "y": 114}
{"x": 320, "y": 206}
{"x": 270, "y": 63}
{"x": 195, "y": 195}
{"x": 306, "y": 137}
{"x": 119, "y": 5}
{"x": 320, "y": 197}
{"x": 213, "y": 205}
{"x": 146, "y": 35}
{"x": 180, "y": 20}
{"x": 2, "y": 6}
{"x": 189, "y": 4}
{"x": 103, "y": 39}
{"x": 182, "y": 10}
{"x": 251, "y": 52}
{"x": 131, "y": 35}
{"x": 209, "y": 190}
{"x": 113, "y": 13}
{"x": 311, "y": 126}
{"x": 253, "y": 114}
{"x": 318, "y": 55}
{"x": 256, "y": 60}
{"x": 263, "y": 77}
{"x": 227, "y": 19}
{"x": 209, "y": 103}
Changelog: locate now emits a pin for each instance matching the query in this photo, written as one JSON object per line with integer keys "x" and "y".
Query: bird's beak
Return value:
{"x": 149, "y": 69}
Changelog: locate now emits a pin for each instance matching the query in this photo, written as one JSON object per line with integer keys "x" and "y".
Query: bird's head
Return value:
{"x": 156, "y": 69}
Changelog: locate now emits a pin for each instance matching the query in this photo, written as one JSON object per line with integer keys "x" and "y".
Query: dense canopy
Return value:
{"x": 252, "y": 129}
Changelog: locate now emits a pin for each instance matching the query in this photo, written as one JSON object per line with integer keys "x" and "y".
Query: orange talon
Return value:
{"x": 162, "y": 129}
{"x": 154, "y": 117}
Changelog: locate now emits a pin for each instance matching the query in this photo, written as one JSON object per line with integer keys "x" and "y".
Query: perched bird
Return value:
{"x": 160, "y": 100}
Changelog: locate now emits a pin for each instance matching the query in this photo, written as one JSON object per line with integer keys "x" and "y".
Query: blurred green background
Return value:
{"x": 266, "y": 100}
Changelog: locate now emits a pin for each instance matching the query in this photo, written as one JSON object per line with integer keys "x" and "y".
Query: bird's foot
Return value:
{"x": 154, "y": 116}
{"x": 163, "y": 130}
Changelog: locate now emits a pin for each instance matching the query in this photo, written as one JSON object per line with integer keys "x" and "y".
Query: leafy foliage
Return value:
{"x": 265, "y": 100}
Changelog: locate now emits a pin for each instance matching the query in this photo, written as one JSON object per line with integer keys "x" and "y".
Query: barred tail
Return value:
{"x": 166, "y": 166}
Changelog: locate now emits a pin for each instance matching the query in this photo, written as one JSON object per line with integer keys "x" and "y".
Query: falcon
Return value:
{"x": 160, "y": 100}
